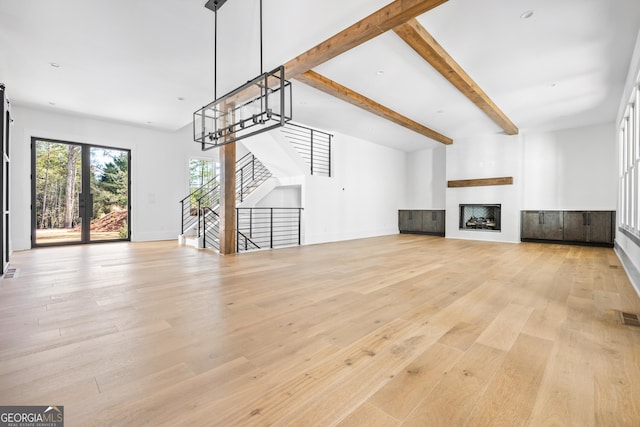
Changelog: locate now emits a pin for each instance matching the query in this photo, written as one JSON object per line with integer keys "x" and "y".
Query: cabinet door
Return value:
{"x": 552, "y": 228}
{"x": 410, "y": 221}
{"x": 531, "y": 225}
{"x": 429, "y": 221}
{"x": 403, "y": 220}
{"x": 599, "y": 227}
{"x": 575, "y": 226}
{"x": 439, "y": 222}
{"x": 415, "y": 220}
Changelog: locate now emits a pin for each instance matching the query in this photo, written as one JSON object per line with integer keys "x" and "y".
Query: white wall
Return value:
{"x": 572, "y": 169}
{"x": 285, "y": 196}
{"x": 159, "y": 168}
{"x": 485, "y": 156}
{"x": 426, "y": 179}
{"x": 362, "y": 197}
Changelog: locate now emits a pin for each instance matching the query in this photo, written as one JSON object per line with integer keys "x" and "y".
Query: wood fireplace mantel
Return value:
{"x": 505, "y": 180}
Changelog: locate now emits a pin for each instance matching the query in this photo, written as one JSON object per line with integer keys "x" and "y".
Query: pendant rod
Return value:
{"x": 215, "y": 55}
{"x": 261, "y": 64}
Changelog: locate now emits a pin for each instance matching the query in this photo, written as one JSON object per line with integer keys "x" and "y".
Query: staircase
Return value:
{"x": 200, "y": 218}
{"x": 258, "y": 228}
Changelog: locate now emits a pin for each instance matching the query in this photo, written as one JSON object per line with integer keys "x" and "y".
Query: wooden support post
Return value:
{"x": 228, "y": 199}
{"x": 228, "y": 224}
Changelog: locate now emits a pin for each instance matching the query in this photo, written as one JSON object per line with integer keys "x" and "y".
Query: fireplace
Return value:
{"x": 480, "y": 217}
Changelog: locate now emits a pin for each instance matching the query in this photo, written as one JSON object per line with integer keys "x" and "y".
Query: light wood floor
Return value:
{"x": 397, "y": 330}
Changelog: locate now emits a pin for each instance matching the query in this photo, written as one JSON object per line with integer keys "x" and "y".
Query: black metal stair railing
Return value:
{"x": 208, "y": 225}
{"x": 244, "y": 244}
{"x": 211, "y": 224}
{"x": 250, "y": 174}
{"x": 260, "y": 228}
{"x": 189, "y": 206}
{"x": 199, "y": 208}
{"x": 313, "y": 145}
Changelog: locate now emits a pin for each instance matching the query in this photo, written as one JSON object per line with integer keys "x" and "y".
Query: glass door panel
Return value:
{"x": 80, "y": 193}
{"x": 58, "y": 172}
{"x": 110, "y": 194}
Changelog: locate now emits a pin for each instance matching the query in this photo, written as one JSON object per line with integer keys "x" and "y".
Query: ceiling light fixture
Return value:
{"x": 257, "y": 106}
{"x": 380, "y": 72}
{"x": 527, "y": 14}
{"x": 54, "y": 64}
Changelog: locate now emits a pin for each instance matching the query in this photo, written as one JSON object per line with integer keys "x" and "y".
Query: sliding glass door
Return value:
{"x": 80, "y": 193}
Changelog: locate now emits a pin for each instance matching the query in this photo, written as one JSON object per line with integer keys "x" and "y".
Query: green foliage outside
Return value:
{"x": 58, "y": 183}
{"x": 201, "y": 172}
{"x": 109, "y": 181}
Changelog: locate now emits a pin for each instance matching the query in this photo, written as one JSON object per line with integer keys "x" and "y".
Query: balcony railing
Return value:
{"x": 313, "y": 145}
{"x": 261, "y": 228}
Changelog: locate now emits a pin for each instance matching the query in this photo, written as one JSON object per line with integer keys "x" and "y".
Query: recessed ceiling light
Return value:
{"x": 527, "y": 14}
{"x": 553, "y": 84}
{"x": 180, "y": 98}
{"x": 54, "y": 64}
{"x": 379, "y": 72}
{"x": 149, "y": 122}
{"x": 440, "y": 111}
{"x": 52, "y": 103}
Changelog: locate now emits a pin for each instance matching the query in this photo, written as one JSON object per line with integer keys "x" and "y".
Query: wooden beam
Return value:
{"x": 362, "y": 31}
{"x": 330, "y": 87}
{"x": 506, "y": 180}
{"x": 416, "y": 36}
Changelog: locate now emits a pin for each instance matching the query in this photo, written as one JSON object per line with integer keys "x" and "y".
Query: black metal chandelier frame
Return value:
{"x": 259, "y": 105}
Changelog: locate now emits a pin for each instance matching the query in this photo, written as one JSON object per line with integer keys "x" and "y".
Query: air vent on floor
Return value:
{"x": 614, "y": 266}
{"x": 10, "y": 273}
{"x": 629, "y": 319}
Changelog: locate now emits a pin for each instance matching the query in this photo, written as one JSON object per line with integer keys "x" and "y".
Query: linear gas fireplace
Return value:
{"x": 480, "y": 217}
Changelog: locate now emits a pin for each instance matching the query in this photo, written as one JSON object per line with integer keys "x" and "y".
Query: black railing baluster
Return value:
{"x": 182, "y": 222}
{"x": 311, "y": 151}
{"x": 198, "y": 216}
{"x": 299, "y": 226}
{"x": 329, "y": 157}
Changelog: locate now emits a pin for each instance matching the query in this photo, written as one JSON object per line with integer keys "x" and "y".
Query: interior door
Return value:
{"x": 80, "y": 193}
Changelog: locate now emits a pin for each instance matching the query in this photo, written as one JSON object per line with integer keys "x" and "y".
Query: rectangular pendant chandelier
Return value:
{"x": 259, "y": 105}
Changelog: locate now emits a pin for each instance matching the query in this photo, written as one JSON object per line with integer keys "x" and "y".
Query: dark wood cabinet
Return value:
{"x": 589, "y": 227}
{"x": 542, "y": 225}
{"x": 433, "y": 222}
{"x": 410, "y": 221}
{"x": 421, "y": 221}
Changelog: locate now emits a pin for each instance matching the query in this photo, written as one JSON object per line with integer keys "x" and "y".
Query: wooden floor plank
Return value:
{"x": 403, "y": 393}
{"x": 451, "y": 401}
{"x": 402, "y": 329}
{"x": 509, "y": 399}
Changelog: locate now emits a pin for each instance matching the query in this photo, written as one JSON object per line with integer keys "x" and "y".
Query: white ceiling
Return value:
{"x": 130, "y": 60}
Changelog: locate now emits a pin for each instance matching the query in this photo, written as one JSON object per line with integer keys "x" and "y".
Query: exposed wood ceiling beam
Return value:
{"x": 377, "y": 23}
{"x": 416, "y": 36}
{"x": 330, "y": 87}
